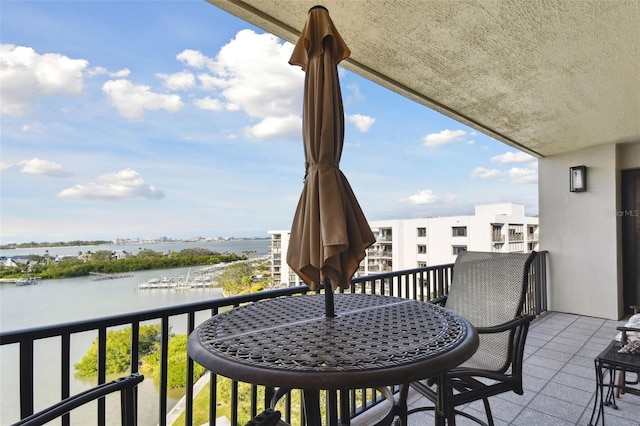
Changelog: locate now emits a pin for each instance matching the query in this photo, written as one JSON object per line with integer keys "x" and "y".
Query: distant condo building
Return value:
{"x": 414, "y": 243}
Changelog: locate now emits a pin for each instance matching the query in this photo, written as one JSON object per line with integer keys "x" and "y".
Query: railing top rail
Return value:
{"x": 15, "y": 336}
{"x": 372, "y": 277}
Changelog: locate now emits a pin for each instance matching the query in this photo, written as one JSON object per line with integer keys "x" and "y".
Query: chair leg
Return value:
{"x": 621, "y": 383}
{"x": 487, "y": 409}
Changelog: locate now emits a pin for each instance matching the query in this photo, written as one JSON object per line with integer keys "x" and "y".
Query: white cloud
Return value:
{"x": 523, "y": 175}
{"x": 484, "y": 173}
{"x": 194, "y": 59}
{"x": 114, "y": 186}
{"x": 92, "y": 72}
{"x": 252, "y": 74}
{"x": 26, "y": 76}
{"x": 120, "y": 73}
{"x": 444, "y": 137}
{"x": 354, "y": 94}
{"x": 449, "y": 198}
{"x": 210, "y": 82}
{"x": 178, "y": 81}
{"x": 275, "y": 126}
{"x": 512, "y": 157}
{"x": 37, "y": 166}
{"x": 362, "y": 122}
{"x": 209, "y": 104}
{"x": 426, "y": 196}
{"x": 5, "y": 166}
{"x": 132, "y": 100}
{"x": 258, "y": 76}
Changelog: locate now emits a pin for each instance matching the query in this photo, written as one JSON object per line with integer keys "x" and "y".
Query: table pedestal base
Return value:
{"x": 312, "y": 409}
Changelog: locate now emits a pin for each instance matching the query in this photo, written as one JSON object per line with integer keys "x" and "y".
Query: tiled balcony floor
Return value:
{"x": 559, "y": 378}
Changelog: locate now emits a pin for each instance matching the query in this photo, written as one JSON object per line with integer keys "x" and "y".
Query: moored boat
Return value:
{"x": 28, "y": 281}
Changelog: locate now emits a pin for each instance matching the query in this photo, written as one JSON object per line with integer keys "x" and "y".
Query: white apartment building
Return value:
{"x": 411, "y": 243}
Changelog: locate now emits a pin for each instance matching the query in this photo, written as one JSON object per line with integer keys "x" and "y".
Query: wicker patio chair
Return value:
{"x": 125, "y": 386}
{"x": 488, "y": 289}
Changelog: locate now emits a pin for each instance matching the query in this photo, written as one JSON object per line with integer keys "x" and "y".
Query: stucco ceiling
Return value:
{"x": 544, "y": 76}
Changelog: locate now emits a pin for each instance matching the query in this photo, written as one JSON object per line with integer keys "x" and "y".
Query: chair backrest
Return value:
{"x": 488, "y": 289}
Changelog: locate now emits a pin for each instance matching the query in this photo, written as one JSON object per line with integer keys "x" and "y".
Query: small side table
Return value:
{"x": 608, "y": 362}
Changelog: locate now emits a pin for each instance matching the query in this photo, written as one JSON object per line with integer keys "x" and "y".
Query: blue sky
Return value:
{"x": 134, "y": 119}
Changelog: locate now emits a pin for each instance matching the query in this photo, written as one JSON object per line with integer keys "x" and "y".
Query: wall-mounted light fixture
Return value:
{"x": 578, "y": 179}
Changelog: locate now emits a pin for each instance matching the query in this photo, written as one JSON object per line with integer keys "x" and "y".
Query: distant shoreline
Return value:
{"x": 33, "y": 244}
{"x": 82, "y": 243}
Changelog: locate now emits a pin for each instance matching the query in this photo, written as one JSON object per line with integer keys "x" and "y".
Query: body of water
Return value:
{"x": 260, "y": 247}
{"x": 73, "y": 299}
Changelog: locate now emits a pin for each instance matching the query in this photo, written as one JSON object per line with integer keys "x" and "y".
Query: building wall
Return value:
{"x": 581, "y": 230}
{"x": 280, "y": 270}
{"x": 439, "y": 240}
{"x": 399, "y": 245}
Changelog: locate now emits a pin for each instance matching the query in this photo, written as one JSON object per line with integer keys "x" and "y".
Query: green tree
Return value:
{"x": 35, "y": 258}
{"x": 118, "y": 350}
{"x": 236, "y": 278}
{"x": 102, "y": 262}
{"x": 176, "y": 363}
{"x": 102, "y": 255}
{"x": 148, "y": 253}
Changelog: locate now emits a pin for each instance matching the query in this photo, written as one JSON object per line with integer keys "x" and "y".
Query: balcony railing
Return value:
{"x": 420, "y": 284}
{"x": 380, "y": 253}
{"x": 516, "y": 236}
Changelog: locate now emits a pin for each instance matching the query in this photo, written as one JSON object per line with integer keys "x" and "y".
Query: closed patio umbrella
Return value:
{"x": 329, "y": 234}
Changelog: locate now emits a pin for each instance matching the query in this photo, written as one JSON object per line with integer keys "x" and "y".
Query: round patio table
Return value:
{"x": 372, "y": 342}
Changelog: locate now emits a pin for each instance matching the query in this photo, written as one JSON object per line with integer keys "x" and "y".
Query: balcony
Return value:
{"x": 559, "y": 378}
{"x": 516, "y": 236}
{"x": 559, "y": 373}
{"x": 383, "y": 254}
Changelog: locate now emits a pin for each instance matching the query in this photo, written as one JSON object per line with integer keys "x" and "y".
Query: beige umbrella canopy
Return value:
{"x": 329, "y": 234}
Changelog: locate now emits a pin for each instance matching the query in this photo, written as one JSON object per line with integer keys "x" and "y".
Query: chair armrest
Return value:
{"x": 440, "y": 300}
{"x": 123, "y": 384}
{"x": 517, "y": 321}
{"x": 623, "y": 330}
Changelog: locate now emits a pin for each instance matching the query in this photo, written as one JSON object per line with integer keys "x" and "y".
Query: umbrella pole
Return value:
{"x": 329, "y": 311}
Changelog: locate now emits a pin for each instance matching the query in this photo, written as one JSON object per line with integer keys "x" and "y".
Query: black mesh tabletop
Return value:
{"x": 373, "y": 341}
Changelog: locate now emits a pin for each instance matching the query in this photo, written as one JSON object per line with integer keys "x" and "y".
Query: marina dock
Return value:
{"x": 97, "y": 276}
{"x": 200, "y": 278}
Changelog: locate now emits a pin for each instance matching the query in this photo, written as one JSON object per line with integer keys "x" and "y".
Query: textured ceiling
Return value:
{"x": 545, "y": 76}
